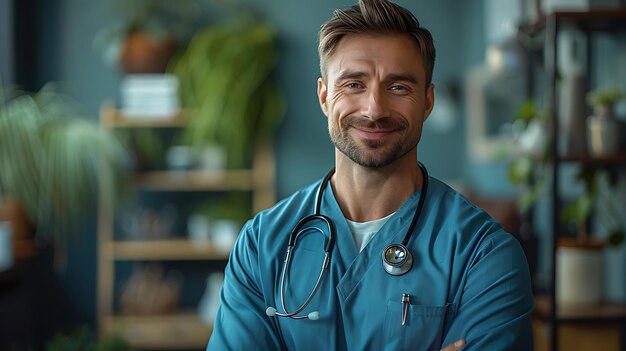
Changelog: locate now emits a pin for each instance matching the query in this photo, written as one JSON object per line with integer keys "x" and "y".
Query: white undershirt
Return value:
{"x": 363, "y": 232}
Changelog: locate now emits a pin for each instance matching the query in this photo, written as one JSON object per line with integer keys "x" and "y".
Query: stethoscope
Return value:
{"x": 397, "y": 259}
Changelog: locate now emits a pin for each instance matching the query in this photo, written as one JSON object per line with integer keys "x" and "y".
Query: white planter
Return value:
{"x": 579, "y": 276}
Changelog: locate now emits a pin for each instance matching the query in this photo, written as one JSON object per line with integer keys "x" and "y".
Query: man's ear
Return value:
{"x": 430, "y": 100}
{"x": 322, "y": 94}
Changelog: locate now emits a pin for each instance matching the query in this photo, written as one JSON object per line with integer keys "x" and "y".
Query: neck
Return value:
{"x": 365, "y": 194}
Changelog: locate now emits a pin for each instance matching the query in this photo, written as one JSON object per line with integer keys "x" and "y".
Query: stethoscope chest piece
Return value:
{"x": 397, "y": 259}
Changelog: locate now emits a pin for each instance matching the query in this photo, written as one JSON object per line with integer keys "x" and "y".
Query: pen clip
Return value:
{"x": 406, "y": 302}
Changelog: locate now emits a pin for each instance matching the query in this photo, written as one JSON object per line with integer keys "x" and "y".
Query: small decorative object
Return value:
{"x": 210, "y": 301}
{"x": 572, "y": 111}
{"x": 149, "y": 223}
{"x": 211, "y": 157}
{"x": 180, "y": 157}
{"x": 603, "y": 130}
{"x": 149, "y": 291}
{"x": 224, "y": 233}
{"x": 198, "y": 227}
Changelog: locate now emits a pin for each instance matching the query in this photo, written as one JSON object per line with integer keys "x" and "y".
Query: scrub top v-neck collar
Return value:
{"x": 351, "y": 264}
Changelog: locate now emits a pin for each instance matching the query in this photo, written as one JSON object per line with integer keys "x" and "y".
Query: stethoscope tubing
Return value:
{"x": 392, "y": 268}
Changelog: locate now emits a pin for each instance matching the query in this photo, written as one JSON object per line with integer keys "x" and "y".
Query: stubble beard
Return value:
{"x": 373, "y": 153}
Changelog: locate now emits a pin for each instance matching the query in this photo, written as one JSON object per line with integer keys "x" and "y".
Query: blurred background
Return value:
{"x": 136, "y": 137}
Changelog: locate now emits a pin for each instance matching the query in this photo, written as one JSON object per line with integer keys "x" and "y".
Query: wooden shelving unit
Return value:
{"x": 604, "y": 312}
{"x": 547, "y": 309}
{"x": 160, "y": 332}
{"x": 159, "y": 250}
{"x": 183, "y": 329}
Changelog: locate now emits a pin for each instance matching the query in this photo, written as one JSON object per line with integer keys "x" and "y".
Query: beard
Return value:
{"x": 374, "y": 153}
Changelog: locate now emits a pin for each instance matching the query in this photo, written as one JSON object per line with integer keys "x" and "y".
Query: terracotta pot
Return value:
{"x": 143, "y": 53}
{"x": 21, "y": 228}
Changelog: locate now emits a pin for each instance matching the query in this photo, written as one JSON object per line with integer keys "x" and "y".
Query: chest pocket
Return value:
{"x": 424, "y": 329}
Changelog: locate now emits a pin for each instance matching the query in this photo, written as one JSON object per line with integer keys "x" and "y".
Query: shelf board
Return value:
{"x": 114, "y": 118}
{"x": 600, "y": 313}
{"x": 195, "y": 180}
{"x": 182, "y": 330}
{"x": 593, "y": 20}
{"x": 174, "y": 250}
{"x": 608, "y": 160}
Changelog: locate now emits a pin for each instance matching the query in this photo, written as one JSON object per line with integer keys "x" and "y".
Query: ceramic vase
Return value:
{"x": 603, "y": 131}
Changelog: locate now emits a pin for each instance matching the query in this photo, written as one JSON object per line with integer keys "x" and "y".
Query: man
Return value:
{"x": 468, "y": 283}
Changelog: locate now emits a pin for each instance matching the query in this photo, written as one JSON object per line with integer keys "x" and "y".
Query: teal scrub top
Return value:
{"x": 469, "y": 280}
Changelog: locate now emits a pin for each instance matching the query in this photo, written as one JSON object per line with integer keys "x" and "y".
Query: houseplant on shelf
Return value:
{"x": 54, "y": 162}
{"x": 579, "y": 254}
{"x": 580, "y": 259}
{"x": 226, "y": 83}
{"x": 146, "y": 33}
{"x": 603, "y": 129}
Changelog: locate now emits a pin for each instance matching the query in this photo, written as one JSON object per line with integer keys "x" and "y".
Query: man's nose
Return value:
{"x": 374, "y": 105}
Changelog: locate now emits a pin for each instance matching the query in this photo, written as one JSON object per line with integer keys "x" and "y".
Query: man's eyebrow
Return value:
{"x": 394, "y": 77}
{"x": 347, "y": 74}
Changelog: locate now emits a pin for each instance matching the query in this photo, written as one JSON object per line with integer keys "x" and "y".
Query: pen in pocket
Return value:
{"x": 406, "y": 302}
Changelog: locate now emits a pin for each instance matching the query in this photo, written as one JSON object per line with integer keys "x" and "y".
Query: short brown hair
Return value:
{"x": 375, "y": 17}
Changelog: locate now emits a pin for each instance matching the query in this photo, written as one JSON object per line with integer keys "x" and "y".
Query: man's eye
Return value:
{"x": 353, "y": 85}
{"x": 398, "y": 87}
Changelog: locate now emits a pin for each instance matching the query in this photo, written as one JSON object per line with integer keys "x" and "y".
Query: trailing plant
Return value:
{"x": 54, "y": 161}
{"x": 528, "y": 171}
{"x": 528, "y": 168}
{"x": 579, "y": 210}
{"x": 226, "y": 81}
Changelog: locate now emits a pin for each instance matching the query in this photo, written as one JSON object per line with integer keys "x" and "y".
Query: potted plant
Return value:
{"x": 146, "y": 33}
{"x": 603, "y": 130}
{"x": 226, "y": 83}
{"x": 579, "y": 254}
{"x": 54, "y": 162}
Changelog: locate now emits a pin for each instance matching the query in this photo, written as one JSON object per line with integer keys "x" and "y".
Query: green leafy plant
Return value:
{"x": 606, "y": 97}
{"x": 54, "y": 161}
{"x": 528, "y": 170}
{"x": 579, "y": 210}
{"x": 226, "y": 82}
{"x": 83, "y": 339}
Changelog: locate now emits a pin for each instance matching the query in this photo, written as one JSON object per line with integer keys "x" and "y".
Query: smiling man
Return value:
{"x": 377, "y": 255}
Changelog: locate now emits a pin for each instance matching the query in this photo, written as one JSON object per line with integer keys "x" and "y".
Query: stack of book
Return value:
{"x": 150, "y": 96}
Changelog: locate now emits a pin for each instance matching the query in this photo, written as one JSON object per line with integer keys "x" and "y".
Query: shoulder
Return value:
{"x": 456, "y": 207}
{"x": 466, "y": 223}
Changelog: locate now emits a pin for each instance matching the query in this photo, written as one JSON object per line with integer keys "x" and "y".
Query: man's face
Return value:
{"x": 375, "y": 97}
